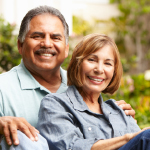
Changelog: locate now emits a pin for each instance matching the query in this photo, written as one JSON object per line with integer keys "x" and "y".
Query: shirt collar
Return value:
{"x": 78, "y": 103}
{"x": 63, "y": 74}
{"x": 76, "y": 99}
{"x": 27, "y": 81}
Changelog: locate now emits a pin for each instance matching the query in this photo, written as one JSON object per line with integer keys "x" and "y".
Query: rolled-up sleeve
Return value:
{"x": 60, "y": 127}
{"x": 133, "y": 125}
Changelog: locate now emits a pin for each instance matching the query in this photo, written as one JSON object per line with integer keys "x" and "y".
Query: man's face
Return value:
{"x": 44, "y": 47}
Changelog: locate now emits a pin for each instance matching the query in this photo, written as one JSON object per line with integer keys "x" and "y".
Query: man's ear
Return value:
{"x": 66, "y": 50}
{"x": 19, "y": 44}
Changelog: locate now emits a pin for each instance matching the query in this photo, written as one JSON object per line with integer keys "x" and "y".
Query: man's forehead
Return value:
{"x": 46, "y": 22}
{"x": 49, "y": 17}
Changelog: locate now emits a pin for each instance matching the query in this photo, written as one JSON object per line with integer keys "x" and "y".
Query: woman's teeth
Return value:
{"x": 99, "y": 80}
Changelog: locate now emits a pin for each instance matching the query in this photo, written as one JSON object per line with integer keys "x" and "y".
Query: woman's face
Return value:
{"x": 98, "y": 70}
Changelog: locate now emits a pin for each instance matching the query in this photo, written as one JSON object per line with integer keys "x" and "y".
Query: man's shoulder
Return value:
{"x": 9, "y": 74}
{"x": 9, "y": 78}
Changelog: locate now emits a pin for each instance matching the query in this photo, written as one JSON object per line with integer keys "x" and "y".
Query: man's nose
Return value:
{"x": 47, "y": 42}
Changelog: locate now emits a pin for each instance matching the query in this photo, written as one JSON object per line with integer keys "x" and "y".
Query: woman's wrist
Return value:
{"x": 129, "y": 136}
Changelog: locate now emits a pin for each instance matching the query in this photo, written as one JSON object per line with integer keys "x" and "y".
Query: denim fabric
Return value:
{"x": 140, "y": 142}
{"x": 26, "y": 143}
{"x": 66, "y": 121}
{"x": 21, "y": 94}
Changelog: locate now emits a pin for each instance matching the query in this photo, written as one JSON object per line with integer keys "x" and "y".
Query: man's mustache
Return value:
{"x": 45, "y": 50}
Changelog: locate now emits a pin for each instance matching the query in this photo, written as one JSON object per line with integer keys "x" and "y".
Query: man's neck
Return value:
{"x": 50, "y": 80}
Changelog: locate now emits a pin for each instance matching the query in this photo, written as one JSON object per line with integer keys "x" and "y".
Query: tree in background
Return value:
{"x": 132, "y": 28}
{"x": 9, "y": 56}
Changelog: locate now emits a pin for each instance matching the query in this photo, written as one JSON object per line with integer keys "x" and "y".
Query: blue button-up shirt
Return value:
{"x": 67, "y": 123}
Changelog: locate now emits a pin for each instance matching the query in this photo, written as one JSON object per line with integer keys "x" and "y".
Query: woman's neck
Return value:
{"x": 92, "y": 101}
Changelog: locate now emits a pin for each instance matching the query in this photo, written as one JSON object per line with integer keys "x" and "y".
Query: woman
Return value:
{"x": 78, "y": 118}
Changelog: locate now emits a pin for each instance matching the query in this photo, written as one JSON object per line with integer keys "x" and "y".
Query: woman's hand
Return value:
{"x": 132, "y": 135}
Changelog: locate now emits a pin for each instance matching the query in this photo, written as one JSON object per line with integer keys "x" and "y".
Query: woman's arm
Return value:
{"x": 115, "y": 143}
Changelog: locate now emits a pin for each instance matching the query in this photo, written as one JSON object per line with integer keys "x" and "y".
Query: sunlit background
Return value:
{"x": 126, "y": 21}
{"x": 14, "y": 10}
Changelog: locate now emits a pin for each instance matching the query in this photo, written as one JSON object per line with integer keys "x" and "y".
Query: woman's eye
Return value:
{"x": 91, "y": 59}
{"x": 109, "y": 64}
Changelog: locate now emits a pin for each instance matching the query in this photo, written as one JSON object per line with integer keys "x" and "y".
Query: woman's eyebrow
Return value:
{"x": 93, "y": 55}
{"x": 109, "y": 59}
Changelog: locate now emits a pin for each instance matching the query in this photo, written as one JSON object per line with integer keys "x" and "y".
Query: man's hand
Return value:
{"x": 9, "y": 126}
{"x": 126, "y": 107}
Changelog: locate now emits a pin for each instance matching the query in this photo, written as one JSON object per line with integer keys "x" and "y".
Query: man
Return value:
{"x": 43, "y": 44}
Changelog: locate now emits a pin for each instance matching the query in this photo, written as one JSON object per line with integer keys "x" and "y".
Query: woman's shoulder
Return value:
{"x": 112, "y": 106}
{"x": 63, "y": 97}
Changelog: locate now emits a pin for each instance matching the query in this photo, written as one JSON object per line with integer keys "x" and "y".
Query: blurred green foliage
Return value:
{"x": 133, "y": 33}
{"x": 81, "y": 26}
{"x": 135, "y": 90}
{"x": 9, "y": 55}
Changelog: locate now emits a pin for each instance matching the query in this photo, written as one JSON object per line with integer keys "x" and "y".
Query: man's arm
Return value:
{"x": 9, "y": 126}
{"x": 126, "y": 107}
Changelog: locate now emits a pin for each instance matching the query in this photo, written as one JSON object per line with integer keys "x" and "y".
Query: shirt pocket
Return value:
{"x": 90, "y": 131}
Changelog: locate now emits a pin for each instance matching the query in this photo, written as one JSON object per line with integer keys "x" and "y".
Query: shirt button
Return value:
{"x": 89, "y": 128}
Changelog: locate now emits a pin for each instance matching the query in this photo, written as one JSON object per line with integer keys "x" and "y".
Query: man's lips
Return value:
{"x": 95, "y": 79}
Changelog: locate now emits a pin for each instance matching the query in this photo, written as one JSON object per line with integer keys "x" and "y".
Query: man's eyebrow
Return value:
{"x": 56, "y": 34}
{"x": 36, "y": 32}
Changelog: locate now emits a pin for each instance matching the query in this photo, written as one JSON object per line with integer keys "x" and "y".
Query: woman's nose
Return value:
{"x": 99, "y": 69}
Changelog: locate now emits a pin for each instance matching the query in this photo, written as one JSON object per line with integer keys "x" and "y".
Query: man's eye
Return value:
{"x": 57, "y": 38}
{"x": 36, "y": 36}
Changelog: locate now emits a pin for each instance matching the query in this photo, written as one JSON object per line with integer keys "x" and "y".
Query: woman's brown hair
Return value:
{"x": 88, "y": 45}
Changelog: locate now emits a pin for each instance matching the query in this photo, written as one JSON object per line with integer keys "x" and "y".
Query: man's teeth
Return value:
{"x": 47, "y": 55}
{"x": 99, "y": 80}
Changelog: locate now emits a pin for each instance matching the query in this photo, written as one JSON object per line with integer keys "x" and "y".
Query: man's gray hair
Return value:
{"x": 24, "y": 28}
